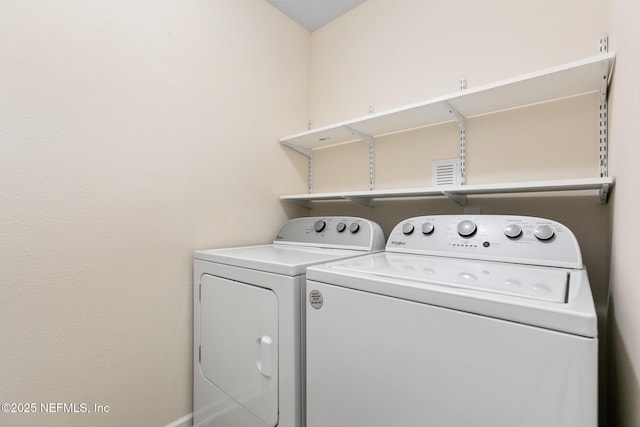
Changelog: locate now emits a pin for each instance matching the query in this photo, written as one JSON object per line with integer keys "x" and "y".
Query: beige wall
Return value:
{"x": 393, "y": 52}
{"x": 132, "y": 132}
{"x": 390, "y": 53}
{"x": 625, "y": 154}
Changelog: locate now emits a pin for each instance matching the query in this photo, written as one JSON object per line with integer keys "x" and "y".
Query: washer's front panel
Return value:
{"x": 378, "y": 361}
{"x": 239, "y": 344}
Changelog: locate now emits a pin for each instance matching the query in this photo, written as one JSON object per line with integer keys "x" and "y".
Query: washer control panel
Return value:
{"x": 517, "y": 239}
{"x": 332, "y": 231}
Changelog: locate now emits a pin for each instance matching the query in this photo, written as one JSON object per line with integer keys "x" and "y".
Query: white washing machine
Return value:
{"x": 249, "y": 320}
{"x": 464, "y": 321}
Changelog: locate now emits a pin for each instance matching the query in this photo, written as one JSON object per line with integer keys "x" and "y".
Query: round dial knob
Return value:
{"x": 319, "y": 225}
{"x": 544, "y": 232}
{"x": 512, "y": 231}
{"x": 466, "y": 228}
{"x": 341, "y": 227}
{"x": 407, "y": 228}
{"x": 427, "y": 228}
{"x": 354, "y": 227}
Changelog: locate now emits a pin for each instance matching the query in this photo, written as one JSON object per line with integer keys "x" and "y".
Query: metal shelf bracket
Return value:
{"x": 369, "y": 140}
{"x": 604, "y": 193}
{"x": 308, "y": 152}
{"x": 460, "y": 199}
{"x": 365, "y": 201}
{"x": 603, "y": 145}
{"x": 462, "y": 124}
{"x": 304, "y": 203}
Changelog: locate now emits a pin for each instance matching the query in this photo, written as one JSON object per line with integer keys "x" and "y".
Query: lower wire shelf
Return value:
{"x": 459, "y": 193}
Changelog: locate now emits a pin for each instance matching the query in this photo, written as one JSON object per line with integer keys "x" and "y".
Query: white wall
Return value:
{"x": 624, "y": 154}
{"x": 132, "y": 132}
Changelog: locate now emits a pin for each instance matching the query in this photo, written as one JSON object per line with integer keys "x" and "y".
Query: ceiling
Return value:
{"x": 313, "y": 14}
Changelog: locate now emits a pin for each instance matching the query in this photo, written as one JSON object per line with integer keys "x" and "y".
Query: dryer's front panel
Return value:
{"x": 239, "y": 344}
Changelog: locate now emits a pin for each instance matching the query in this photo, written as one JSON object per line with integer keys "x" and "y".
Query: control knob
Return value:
{"x": 319, "y": 225}
{"x": 466, "y": 228}
{"x": 407, "y": 228}
{"x": 512, "y": 231}
{"x": 341, "y": 227}
{"x": 427, "y": 228}
{"x": 354, "y": 227}
{"x": 544, "y": 232}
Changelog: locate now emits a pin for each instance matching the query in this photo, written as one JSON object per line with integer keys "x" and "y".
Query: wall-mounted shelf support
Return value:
{"x": 460, "y": 199}
{"x": 462, "y": 124}
{"x": 308, "y": 152}
{"x": 365, "y": 201}
{"x": 603, "y": 145}
{"x": 463, "y": 143}
{"x": 300, "y": 149}
{"x": 604, "y": 193}
{"x": 304, "y": 203}
{"x": 369, "y": 140}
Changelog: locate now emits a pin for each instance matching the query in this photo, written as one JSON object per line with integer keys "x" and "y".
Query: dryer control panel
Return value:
{"x": 342, "y": 232}
{"x": 515, "y": 239}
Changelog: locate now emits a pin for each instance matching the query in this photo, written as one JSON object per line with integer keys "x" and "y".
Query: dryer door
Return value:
{"x": 239, "y": 343}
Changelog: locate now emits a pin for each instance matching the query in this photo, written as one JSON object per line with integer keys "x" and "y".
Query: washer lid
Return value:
{"x": 549, "y": 297}
{"x": 538, "y": 283}
{"x": 287, "y": 260}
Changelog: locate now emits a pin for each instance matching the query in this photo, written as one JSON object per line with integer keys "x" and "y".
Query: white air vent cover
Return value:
{"x": 445, "y": 172}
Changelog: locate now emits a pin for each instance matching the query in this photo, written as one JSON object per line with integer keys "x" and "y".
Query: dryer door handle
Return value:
{"x": 265, "y": 347}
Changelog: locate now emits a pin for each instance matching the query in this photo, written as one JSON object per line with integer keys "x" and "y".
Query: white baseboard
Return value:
{"x": 186, "y": 421}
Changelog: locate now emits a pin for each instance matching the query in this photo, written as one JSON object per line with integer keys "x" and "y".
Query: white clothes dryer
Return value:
{"x": 464, "y": 321}
{"x": 249, "y": 320}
